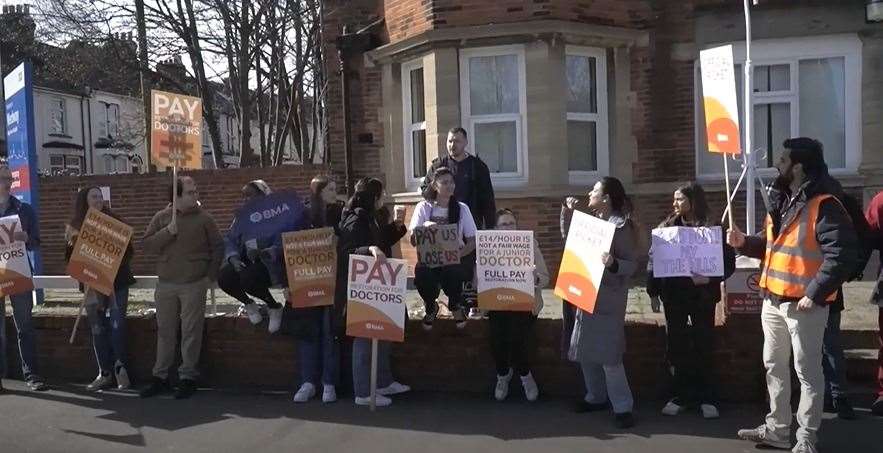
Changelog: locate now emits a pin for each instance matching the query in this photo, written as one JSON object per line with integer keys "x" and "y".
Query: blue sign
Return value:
{"x": 21, "y": 141}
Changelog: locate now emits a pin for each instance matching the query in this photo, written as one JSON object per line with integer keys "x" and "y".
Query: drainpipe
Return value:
{"x": 90, "y": 149}
{"x": 345, "y": 107}
{"x": 83, "y": 126}
{"x": 349, "y": 45}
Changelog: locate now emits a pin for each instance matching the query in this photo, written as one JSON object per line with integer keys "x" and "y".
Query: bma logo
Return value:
{"x": 269, "y": 213}
{"x": 12, "y": 118}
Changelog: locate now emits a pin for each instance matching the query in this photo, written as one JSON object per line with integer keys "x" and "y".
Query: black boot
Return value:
{"x": 844, "y": 408}
{"x": 186, "y": 389}
{"x": 156, "y": 387}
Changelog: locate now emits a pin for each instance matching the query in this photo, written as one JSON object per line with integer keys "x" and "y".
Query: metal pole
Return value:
{"x": 748, "y": 127}
{"x": 374, "y": 342}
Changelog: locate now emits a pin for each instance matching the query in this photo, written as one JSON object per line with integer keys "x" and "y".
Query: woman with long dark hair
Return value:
{"x": 598, "y": 340}
{"x": 108, "y": 333}
{"x": 690, "y": 345}
{"x": 361, "y": 233}
{"x": 318, "y": 343}
{"x": 442, "y": 208}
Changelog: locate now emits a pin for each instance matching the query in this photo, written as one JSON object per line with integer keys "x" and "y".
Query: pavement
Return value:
{"x": 70, "y": 420}
{"x": 859, "y": 314}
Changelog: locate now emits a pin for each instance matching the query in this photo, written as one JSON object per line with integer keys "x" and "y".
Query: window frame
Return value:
{"x": 468, "y": 121}
{"x": 408, "y": 127}
{"x": 793, "y": 50}
{"x": 57, "y": 104}
{"x": 601, "y": 119}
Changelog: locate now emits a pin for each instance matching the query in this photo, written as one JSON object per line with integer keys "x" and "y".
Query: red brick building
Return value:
{"x": 556, "y": 93}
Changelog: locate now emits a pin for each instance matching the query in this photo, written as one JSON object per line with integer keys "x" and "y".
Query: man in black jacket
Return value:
{"x": 472, "y": 179}
{"x": 797, "y": 288}
{"x": 473, "y": 186}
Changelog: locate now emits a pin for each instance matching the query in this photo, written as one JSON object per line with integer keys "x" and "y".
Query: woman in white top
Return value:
{"x": 441, "y": 208}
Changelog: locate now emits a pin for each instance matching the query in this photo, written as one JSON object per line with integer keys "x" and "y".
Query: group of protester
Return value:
{"x": 815, "y": 238}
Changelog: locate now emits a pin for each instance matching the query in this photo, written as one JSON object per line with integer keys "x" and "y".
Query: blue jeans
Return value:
{"x": 321, "y": 352}
{"x": 108, "y": 332}
{"x": 833, "y": 362}
{"x": 22, "y": 304}
{"x": 362, "y": 366}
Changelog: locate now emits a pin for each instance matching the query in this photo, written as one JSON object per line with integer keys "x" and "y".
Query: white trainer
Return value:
{"x": 329, "y": 394}
{"x": 254, "y": 313}
{"x": 394, "y": 389}
{"x": 100, "y": 383}
{"x": 501, "y": 391}
{"x": 305, "y": 393}
{"x": 709, "y": 411}
{"x": 531, "y": 391}
{"x": 382, "y": 401}
{"x": 275, "y": 320}
{"x": 122, "y": 376}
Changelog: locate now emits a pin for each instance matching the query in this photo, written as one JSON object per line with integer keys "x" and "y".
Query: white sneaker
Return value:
{"x": 100, "y": 383}
{"x": 531, "y": 392}
{"x": 122, "y": 376}
{"x": 761, "y": 435}
{"x": 709, "y": 411}
{"x": 501, "y": 391}
{"x": 673, "y": 408}
{"x": 382, "y": 401}
{"x": 254, "y": 313}
{"x": 306, "y": 391}
{"x": 394, "y": 389}
{"x": 275, "y": 319}
{"x": 805, "y": 446}
{"x": 329, "y": 394}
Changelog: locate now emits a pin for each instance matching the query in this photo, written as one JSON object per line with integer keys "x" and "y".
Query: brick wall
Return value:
{"x": 236, "y": 354}
{"x": 136, "y": 198}
{"x": 406, "y": 18}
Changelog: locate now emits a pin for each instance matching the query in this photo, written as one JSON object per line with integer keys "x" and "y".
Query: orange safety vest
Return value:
{"x": 794, "y": 257}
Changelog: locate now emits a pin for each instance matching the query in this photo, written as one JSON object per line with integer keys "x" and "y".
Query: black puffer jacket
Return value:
{"x": 834, "y": 232}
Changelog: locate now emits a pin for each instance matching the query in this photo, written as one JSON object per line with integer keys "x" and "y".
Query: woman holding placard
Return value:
{"x": 510, "y": 330}
{"x": 318, "y": 344}
{"x": 108, "y": 333}
{"x": 442, "y": 208}
{"x": 361, "y": 233}
{"x": 690, "y": 346}
{"x": 598, "y": 340}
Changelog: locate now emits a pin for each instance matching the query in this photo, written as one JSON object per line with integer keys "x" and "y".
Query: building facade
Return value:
{"x": 555, "y": 94}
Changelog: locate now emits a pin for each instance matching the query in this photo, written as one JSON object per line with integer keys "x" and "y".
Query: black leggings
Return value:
{"x": 690, "y": 348}
{"x": 254, "y": 280}
{"x": 509, "y": 335}
{"x": 430, "y": 281}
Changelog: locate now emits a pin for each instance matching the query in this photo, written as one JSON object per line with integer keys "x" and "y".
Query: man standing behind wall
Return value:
{"x": 473, "y": 186}
{"x": 809, "y": 248}
{"x": 190, "y": 250}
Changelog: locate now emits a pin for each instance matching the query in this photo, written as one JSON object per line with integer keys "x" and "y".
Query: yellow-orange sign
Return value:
{"x": 581, "y": 271}
{"x": 719, "y": 100}
{"x": 15, "y": 270}
{"x": 99, "y": 251}
{"x": 376, "y": 298}
{"x": 311, "y": 264}
{"x": 176, "y": 130}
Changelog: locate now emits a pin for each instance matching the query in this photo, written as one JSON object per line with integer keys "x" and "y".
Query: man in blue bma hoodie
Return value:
{"x": 253, "y": 248}
{"x": 22, "y": 304}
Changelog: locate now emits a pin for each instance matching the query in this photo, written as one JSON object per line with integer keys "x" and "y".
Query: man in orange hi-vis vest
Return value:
{"x": 809, "y": 248}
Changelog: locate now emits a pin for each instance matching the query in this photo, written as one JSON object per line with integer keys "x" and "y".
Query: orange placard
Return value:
{"x": 15, "y": 269}
{"x": 176, "y": 130}
{"x": 581, "y": 270}
{"x": 719, "y": 100}
{"x": 311, "y": 264}
{"x": 505, "y": 270}
{"x": 99, "y": 250}
{"x": 376, "y": 298}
